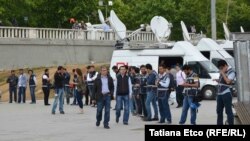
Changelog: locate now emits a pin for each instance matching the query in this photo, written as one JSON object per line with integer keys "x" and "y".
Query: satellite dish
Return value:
{"x": 185, "y": 34}
{"x": 226, "y": 31}
{"x": 101, "y": 17}
{"x": 241, "y": 29}
{"x": 117, "y": 25}
{"x": 160, "y": 27}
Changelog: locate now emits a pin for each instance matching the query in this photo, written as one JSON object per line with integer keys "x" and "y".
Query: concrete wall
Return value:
{"x": 23, "y": 53}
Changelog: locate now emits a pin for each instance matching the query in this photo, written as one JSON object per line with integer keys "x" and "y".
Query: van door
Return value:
{"x": 143, "y": 60}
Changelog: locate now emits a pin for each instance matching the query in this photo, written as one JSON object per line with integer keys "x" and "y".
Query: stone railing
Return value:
{"x": 63, "y": 34}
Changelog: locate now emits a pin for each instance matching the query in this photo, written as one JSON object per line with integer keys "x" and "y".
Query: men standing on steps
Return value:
{"x": 224, "y": 97}
{"x": 13, "y": 81}
{"x": 163, "y": 93}
{"x": 151, "y": 94}
{"x": 91, "y": 76}
{"x": 103, "y": 91}
{"x": 32, "y": 85}
{"x": 58, "y": 82}
{"x": 46, "y": 86}
{"x": 123, "y": 92}
{"x": 22, "y": 84}
{"x": 180, "y": 79}
{"x": 191, "y": 86}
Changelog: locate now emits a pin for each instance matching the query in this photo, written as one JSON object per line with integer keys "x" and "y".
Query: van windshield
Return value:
{"x": 210, "y": 67}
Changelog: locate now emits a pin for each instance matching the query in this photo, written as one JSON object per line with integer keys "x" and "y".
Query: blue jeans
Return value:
{"x": 74, "y": 94}
{"x": 164, "y": 109}
{"x": 32, "y": 94}
{"x": 186, "y": 105}
{"x": 151, "y": 97}
{"x": 13, "y": 90}
{"x": 224, "y": 101}
{"x": 103, "y": 102}
{"x": 21, "y": 94}
{"x": 120, "y": 101}
{"x": 59, "y": 97}
{"x": 67, "y": 94}
{"x": 79, "y": 97}
{"x": 91, "y": 89}
{"x": 132, "y": 105}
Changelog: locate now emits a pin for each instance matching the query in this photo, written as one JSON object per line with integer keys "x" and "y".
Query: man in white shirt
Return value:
{"x": 91, "y": 76}
{"x": 180, "y": 79}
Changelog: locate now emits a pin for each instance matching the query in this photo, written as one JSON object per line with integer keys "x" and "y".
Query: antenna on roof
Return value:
{"x": 185, "y": 34}
{"x": 161, "y": 28}
{"x": 120, "y": 29}
{"x": 226, "y": 31}
{"x": 242, "y": 29}
{"x": 101, "y": 17}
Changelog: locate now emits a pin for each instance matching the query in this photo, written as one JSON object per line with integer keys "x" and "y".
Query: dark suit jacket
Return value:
{"x": 98, "y": 87}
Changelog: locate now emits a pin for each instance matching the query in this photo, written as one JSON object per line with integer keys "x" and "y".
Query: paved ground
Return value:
{"x": 25, "y": 122}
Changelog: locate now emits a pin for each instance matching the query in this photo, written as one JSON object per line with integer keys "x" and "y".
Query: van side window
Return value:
{"x": 198, "y": 68}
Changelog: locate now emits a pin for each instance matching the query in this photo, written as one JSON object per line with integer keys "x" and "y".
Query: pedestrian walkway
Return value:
{"x": 26, "y": 122}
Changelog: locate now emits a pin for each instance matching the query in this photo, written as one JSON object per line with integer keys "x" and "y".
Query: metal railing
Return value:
{"x": 62, "y": 34}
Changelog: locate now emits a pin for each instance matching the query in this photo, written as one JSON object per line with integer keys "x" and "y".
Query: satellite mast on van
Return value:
{"x": 226, "y": 31}
{"x": 242, "y": 29}
{"x": 185, "y": 34}
{"x": 194, "y": 38}
{"x": 120, "y": 29}
{"x": 162, "y": 30}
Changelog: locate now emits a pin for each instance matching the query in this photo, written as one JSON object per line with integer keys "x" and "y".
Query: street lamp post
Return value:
{"x": 101, "y": 3}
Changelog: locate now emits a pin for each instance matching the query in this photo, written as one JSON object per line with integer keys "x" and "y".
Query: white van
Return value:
{"x": 181, "y": 52}
{"x": 211, "y": 50}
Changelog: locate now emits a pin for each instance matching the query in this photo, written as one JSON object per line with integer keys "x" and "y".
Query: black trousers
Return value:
{"x": 87, "y": 96}
{"x": 46, "y": 91}
{"x": 143, "y": 98}
{"x": 179, "y": 95}
{"x": 12, "y": 91}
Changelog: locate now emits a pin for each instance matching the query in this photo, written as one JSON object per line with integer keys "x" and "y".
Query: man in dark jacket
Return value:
{"x": 58, "y": 82}
{"x": 12, "y": 80}
{"x": 103, "y": 91}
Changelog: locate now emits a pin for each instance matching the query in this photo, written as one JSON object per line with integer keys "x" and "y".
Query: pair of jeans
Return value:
{"x": 224, "y": 101}
{"x": 187, "y": 101}
{"x": 120, "y": 101}
{"x": 79, "y": 97}
{"x": 138, "y": 104}
{"x": 103, "y": 102}
{"x": 67, "y": 94}
{"x": 132, "y": 104}
{"x": 151, "y": 97}
{"x": 21, "y": 94}
{"x": 74, "y": 94}
{"x": 46, "y": 91}
{"x": 91, "y": 91}
{"x": 59, "y": 96}
{"x": 12, "y": 90}
{"x": 164, "y": 109}
{"x": 179, "y": 95}
{"x": 32, "y": 94}
{"x": 142, "y": 99}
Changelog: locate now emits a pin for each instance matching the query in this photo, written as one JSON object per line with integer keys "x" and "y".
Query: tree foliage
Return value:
{"x": 56, "y": 13}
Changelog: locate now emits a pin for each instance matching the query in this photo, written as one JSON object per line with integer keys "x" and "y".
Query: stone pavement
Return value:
{"x": 26, "y": 122}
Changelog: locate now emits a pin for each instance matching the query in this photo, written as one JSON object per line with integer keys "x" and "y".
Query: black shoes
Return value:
{"x": 125, "y": 123}
{"x": 62, "y": 112}
{"x": 97, "y": 123}
{"x": 47, "y": 104}
{"x": 53, "y": 113}
{"x": 117, "y": 120}
{"x": 155, "y": 119}
{"x": 106, "y": 127}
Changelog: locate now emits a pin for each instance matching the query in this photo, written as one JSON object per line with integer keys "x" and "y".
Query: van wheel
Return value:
{"x": 209, "y": 93}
